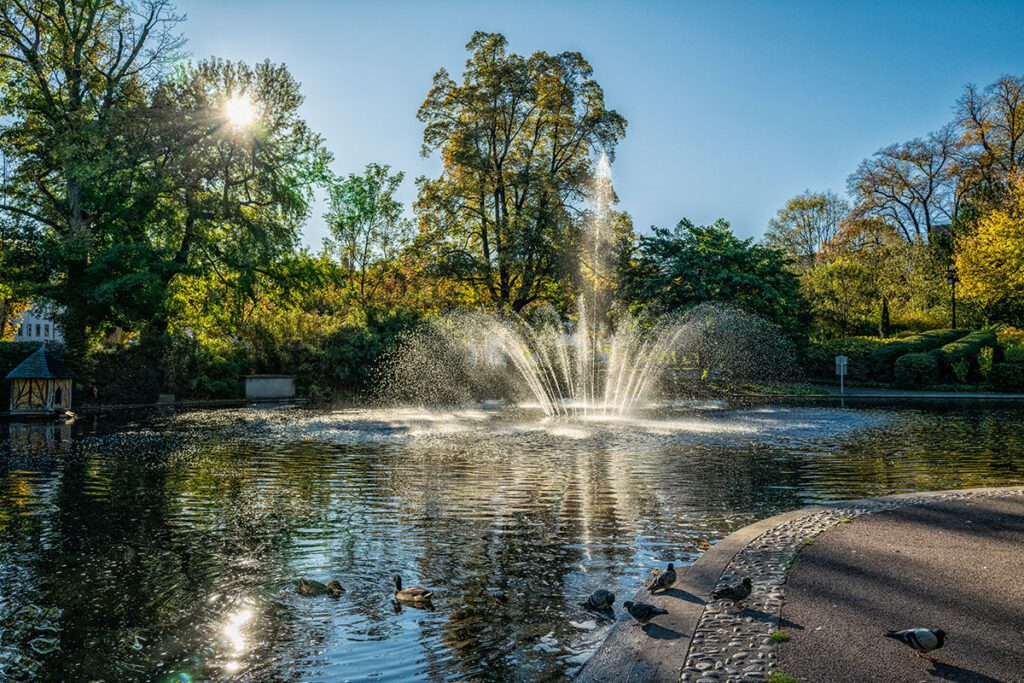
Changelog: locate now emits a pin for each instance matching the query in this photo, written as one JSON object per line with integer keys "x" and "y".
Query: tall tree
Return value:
{"x": 235, "y": 166}
{"x": 913, "y": 186}
{"x": 804, "y": 225}
{"x": 74, "y": 72}
{"x": 516, "y": 139}
{"x": 368, "y": 229}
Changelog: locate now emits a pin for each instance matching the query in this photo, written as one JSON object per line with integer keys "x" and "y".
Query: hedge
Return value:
{"x": 959, "y": 360}
{"x": 820, "y": 356}
{"x": 1007, "y": 376}
{"x": 883, "y": 359}
{"x": 916, "y": 370}
{"x": 1011, "y": 343}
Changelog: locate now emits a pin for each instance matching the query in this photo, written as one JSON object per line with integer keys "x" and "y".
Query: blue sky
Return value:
{"x": 733, "y": 107}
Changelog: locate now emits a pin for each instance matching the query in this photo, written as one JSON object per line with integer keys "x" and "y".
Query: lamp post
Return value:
{"x": 951, "y": 280}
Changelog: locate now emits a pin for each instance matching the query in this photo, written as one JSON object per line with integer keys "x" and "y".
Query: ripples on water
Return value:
{"x": 165, "y": 548}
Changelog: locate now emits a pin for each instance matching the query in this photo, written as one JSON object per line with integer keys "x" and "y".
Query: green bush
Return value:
{"x": 820, "y": 356}
{"x": 883, "y": 359}
{"x": 1007, "y": 376}
{"x": 916, "y": 370}
{"x": 1011, "y": 343}
{"x": 960, "y": 360}
{"x": 203, "y": 371}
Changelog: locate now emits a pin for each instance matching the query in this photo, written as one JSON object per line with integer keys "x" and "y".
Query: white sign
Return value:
{"x": 841, "y": 365}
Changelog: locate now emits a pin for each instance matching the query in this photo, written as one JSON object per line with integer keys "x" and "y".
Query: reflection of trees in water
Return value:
{"x": 139, "y": 545}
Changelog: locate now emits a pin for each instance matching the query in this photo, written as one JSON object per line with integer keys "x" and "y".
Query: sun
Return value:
{"x": 240, "y": 111}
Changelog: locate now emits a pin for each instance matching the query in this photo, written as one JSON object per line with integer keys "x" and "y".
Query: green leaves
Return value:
{"x": 516, "y": 139}
{"x": 678, "y": 269}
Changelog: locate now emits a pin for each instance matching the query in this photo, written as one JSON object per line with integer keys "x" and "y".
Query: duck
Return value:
{"x": 412, "y": 593}
{"x": 313, "y": 588}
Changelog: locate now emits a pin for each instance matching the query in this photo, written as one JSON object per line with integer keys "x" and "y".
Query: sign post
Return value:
{"x": 841, "y": 371}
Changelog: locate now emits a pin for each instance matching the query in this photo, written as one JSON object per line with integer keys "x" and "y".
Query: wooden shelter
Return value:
{"x": 40, "y": 385}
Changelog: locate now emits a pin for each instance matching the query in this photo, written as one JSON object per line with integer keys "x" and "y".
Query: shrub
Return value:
{"x": 819, "y": 356}
{"x": 1007, "y": 376}
{"x": 916, "y": 370}
{"x": 883, "y": 359}
{"x": 1011, "y": 342}
{"x": 960, "y": 360}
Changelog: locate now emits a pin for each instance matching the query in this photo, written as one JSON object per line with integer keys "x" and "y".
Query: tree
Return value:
{"x": 990, "y": 261}
{"x": 674, "y": 270}
{"x": 368, "y": 230}
{"x": 913, "y": 186}
{"x": 841, "y": 294}
{"x": 230, "y": 195}
{"x": 804, "y": 225}
{"x": 992, "y": 121}
{"x": 515, "y": 138}
{"x": 74, "y": 73}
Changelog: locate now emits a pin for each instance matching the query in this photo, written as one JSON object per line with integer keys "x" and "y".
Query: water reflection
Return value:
{"x": 167, "y": 547}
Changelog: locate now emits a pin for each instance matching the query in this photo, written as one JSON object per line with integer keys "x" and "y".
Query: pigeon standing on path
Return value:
{"x": 664, "y": 580}
{"x": 922, "y": 640}
{"x": 641, "y": 611}
{"x": 737, "y": 593}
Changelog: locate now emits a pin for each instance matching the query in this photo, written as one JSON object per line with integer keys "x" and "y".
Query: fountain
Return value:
{"x": 592, "y": 367}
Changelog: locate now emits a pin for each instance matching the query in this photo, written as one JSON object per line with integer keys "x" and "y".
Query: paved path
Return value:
{"x": 951, "y": 564}
{"x": 971, "y": 539}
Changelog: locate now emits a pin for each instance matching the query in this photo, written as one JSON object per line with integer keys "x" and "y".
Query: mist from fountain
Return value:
{"x": 589, "y": 367}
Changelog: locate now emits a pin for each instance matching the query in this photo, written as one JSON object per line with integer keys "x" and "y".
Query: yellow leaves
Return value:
{"x": 990, "y": 262}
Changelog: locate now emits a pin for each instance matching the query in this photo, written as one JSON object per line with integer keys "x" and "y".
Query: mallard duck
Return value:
{"x": 664, "y": 580}
{"x": 412, "y": 593}
{"x": 314, "y": 588}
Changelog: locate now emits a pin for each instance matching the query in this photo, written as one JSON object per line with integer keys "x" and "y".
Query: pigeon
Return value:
{"x": 922, "y": 640}
{"x": 641, "y": 611}
{"x": 664, "y": 580}
{"x": 737, "y": 593}
{"x": 600, "y": 600}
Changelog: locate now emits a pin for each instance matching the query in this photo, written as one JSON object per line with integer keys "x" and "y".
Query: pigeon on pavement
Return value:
{"x": 641, "y": 611}
{"x": 664, "y": 580}
{"x": 737, "y": 593}
{"x": 921, "y": 640}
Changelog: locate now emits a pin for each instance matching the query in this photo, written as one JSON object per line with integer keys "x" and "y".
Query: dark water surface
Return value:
{"x": 164, "y": 547}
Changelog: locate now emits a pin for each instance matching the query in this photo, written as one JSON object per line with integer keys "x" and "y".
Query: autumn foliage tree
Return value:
{"x": 990, "y": 259}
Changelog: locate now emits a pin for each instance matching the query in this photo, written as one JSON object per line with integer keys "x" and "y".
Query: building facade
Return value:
{"x": 37, "y": 324}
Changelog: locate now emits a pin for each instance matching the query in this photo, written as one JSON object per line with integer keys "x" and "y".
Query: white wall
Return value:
{"x": 37, "y": 325}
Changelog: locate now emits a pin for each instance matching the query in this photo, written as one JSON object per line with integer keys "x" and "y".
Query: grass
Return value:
{"x": 779, "y": 636}
{"x": 808, "y": 541}
{"x": 780, "y": 677}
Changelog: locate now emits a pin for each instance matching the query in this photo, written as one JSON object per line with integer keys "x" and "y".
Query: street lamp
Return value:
{"x": 951, "y": 280}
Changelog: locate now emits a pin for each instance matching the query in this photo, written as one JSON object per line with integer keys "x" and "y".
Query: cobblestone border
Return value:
{"x": 733, "y": 646}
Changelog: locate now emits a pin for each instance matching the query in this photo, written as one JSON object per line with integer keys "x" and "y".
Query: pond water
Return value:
{"x": 165, "y": 547}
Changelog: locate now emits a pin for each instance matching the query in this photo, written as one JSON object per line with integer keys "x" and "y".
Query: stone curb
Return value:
{"x": 706, "y": 642}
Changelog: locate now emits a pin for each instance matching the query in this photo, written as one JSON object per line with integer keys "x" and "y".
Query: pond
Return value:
{"x": 166, "y": 547}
